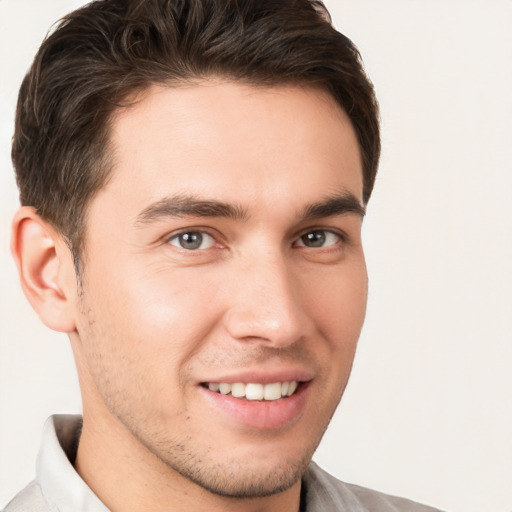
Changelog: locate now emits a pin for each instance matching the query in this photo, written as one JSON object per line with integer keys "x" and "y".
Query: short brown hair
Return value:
{"x": 108, "y": 50}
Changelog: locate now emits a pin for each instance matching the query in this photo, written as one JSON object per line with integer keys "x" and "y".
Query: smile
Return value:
{"x": 254, "y": 391}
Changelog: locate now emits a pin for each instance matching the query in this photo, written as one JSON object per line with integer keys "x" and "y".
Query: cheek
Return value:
{"x": 137, "y": 348}
{"x": 338, "y": 304}
{"x": 147, "y": 327}
{"x": 339, "y": 311}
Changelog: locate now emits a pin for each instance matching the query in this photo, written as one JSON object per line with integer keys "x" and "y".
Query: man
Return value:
{"x": 193, "y": 177}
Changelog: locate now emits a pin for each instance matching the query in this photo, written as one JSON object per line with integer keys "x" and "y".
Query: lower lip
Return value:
{"x": 261, "y": 414}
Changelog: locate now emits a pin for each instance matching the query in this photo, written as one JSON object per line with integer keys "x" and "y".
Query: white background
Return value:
{"x": 428, "y": 412}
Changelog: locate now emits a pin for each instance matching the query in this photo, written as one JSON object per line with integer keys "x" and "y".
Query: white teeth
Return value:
{"x": 291, "y": 388}
{"x": 238, "y": 389}
{"x": 224, "y": 388}
{"x": 254, "y": 390}
{"x": 272, "y": 391}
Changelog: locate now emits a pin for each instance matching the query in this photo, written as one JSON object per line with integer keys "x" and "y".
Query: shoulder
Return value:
{"x": 30, "y": 499}
{"x": 323, "y": 492}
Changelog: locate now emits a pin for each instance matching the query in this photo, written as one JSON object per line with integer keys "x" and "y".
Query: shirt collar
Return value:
{"x": 58, "y": 478}
{"x": 61, "y": 484}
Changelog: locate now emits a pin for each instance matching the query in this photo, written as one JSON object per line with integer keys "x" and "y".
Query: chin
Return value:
{"x": 239, "y": 480}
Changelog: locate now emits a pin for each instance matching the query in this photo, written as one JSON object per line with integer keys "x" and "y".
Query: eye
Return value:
{"x": 318, "y": 238}
{"x": 192, "y": 240}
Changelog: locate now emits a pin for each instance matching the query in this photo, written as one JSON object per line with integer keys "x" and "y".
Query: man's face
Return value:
{"x": 225, "y": 252}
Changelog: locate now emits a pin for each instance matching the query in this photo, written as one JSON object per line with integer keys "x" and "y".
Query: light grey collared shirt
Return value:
{"x": 59, "y": 488}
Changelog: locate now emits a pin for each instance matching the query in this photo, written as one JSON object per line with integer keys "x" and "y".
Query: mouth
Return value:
{"x": 254, "y": 390}
{"x": 258, "y": 402}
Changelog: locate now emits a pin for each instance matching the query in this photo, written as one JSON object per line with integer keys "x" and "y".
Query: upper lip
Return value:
{"x": 262, "y": 376}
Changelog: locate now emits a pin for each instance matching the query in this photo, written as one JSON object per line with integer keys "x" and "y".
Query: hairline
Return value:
{"x": 105, "y": 163}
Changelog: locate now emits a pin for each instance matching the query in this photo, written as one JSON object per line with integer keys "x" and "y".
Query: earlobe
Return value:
{"x": 45, "y": 267}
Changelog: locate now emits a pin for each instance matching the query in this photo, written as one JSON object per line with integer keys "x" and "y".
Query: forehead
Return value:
{"x": 233, "y": 142}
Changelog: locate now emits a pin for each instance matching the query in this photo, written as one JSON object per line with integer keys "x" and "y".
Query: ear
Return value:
{"x": 46, "y": 270}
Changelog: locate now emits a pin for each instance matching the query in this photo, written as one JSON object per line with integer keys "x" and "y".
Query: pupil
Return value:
{"x": 191, "y": 240}
{"x": 314, "y": 239}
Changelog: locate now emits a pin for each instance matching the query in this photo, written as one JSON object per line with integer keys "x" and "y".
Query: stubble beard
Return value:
{"x": 230, "y": 477}
{"x": 227, "y": 475}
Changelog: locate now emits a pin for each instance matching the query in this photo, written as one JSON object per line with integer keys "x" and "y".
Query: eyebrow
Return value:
{"x": 192, "y": 206}
{"x": 339, "y": 204}
{"x": 184, "y": 205}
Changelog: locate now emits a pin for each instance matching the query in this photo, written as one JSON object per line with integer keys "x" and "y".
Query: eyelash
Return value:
{"x": 299, "y": 241}
{"x": 198, "y": 231}
{"x": 340, "y": 238}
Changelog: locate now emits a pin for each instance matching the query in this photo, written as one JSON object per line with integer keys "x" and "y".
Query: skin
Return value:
{"x": 152, "y": 320}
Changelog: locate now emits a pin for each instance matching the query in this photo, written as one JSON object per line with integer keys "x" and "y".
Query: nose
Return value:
{"x": 265, "y": 303}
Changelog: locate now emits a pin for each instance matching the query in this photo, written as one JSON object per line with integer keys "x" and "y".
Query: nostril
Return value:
{"x": 269, "y": 325}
